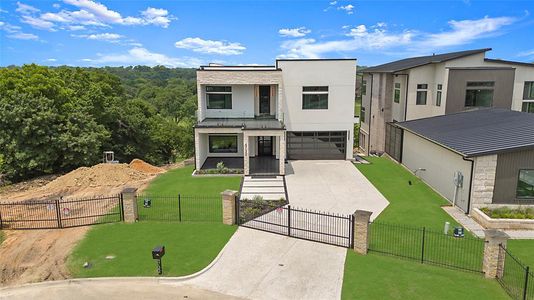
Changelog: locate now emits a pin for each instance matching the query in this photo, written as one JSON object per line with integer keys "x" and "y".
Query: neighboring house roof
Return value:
{"x": 238, "y": 68}
{"x": 243, "y": 123}
{"x": 413, "y": 62}
{"x": 478, "y": 132}
{"x": 501, "y": 61}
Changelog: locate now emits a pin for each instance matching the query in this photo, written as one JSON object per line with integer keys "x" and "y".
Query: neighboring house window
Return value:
{"x": 223, "y": 143}
{"x": 364, "y": 87}
{"x": 438, "y": 95}
{"x": 362, "y": 115}
{"x": 219, "y": 97}
{"x": 315, "y": 97}
{"x": 361, "y": 140}
{"x": 479, "y": 94}
{"x": 397, "y": 93}
{"x": 421, "y": 94}
{"x": 525, "y": 184}
{"x": 528, "y": 95}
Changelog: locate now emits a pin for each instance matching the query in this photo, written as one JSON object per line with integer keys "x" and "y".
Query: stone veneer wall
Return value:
{"x": 483, "y": 180}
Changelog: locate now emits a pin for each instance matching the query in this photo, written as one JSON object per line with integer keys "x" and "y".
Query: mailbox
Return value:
{"x": 158, "y": 252}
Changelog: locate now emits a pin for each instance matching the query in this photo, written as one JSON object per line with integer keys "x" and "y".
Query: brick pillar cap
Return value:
{"x": 129, "y": 190}
{"x": 494, "y": 234}
{"x": 229, "y": 193}
{"x": 363, "y": 214}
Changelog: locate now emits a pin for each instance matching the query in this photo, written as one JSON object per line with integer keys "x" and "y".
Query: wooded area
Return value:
{"x": 57, "y": 119}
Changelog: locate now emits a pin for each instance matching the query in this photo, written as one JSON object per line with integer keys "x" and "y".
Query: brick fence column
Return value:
{"x": 228, "y": 206}
{"x": 361, "y": 231}
{"x": 129, "y": 205}
{"x": 493, "y": 264}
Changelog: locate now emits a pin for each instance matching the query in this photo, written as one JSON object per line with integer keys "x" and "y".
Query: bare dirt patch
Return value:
{"x": 38, "y": 255}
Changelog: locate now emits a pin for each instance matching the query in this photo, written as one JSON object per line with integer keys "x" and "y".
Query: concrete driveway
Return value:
{"x": 333, "y": 186}
{"x": 261, "y": 265}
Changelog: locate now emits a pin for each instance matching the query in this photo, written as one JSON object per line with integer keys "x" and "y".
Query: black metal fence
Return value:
{"x": 179, "y": 208}
{"x": 516, "y": 278}
{"x": 427, "y": 246}
{"x": 60, "y": 213}
{"x": 277, "y": 217}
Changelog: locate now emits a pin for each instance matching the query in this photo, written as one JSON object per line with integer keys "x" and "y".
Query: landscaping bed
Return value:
{"x": 251, "y": 209}
{"x": 508, "y": 213}
{"x": 504, "y": 218}
{"x": 189, "y": 248}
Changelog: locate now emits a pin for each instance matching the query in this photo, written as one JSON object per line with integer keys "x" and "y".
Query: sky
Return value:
{"x": 192, "y": 33}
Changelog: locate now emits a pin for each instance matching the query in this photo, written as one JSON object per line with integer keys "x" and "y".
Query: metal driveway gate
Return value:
{"x": 316, "y": 144}
{"x": 280, "y": 218}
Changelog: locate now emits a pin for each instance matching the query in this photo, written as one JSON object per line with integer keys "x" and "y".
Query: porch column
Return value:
{"x": 282, "y": 153}
{"x": 197, "y": 150}
{"x": 246, "y": 168}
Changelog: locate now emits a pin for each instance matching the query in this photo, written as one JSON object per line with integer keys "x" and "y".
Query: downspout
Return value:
{"x": 470, "y": 183}
{"x": 406, "y": 96}
{"x": 370, "y": 116}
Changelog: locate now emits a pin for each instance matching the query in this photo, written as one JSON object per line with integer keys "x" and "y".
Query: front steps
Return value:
{"x": 268, "y": 187}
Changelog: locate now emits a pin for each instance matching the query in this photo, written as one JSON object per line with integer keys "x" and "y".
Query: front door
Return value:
{"x": 265, "y": 145}
{"x": 265, "y": 99}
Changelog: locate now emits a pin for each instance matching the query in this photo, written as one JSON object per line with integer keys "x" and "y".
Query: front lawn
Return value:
{"x": 415, "y": 204}
{"x": 189, "y": 248}
{"x": 384, "y": 277}
{"x": 180, "y": 181}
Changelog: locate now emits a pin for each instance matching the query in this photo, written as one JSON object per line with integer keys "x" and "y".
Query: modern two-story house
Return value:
{"x": 257, "y": 117}
{"x": 427, "y": 86}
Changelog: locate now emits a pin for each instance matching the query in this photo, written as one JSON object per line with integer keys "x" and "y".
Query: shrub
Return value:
{"x": 509, "y": 213}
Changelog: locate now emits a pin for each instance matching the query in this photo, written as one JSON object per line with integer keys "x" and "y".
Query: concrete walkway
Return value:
{"x": 110, "y": 289}
{"x": 333, "y": 186}
{"x": 269, "y": 188}
{"x": 260, "y": 265}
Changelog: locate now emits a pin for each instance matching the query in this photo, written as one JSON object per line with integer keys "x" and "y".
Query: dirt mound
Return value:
{"x": 145, "y": 167}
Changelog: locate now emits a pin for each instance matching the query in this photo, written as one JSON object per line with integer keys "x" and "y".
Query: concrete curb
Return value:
{"x": 126, "y": 279}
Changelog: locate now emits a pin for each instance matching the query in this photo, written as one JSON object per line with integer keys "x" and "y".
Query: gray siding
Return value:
{"x": 458, "y": 78}
{"x": 508, "y": 166}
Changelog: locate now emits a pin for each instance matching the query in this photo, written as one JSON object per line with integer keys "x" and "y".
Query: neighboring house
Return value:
{"x": 474, "y": 159}
{"x": 256, "y": 117}
{"x": 435, "y": 85}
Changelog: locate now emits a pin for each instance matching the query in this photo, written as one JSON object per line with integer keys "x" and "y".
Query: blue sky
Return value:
{"x": 190, "y": 33}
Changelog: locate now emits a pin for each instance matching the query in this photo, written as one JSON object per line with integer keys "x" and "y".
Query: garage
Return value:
{"x": 316, "y": 144}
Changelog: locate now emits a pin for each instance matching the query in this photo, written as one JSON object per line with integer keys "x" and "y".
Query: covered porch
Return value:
{"x": 258, "y": 165}
{"x": 264, "y": 152}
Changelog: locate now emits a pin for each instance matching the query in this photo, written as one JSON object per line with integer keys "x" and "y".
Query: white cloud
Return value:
{"x": 211, "y": 47}
{"x": 108, "y": 37}
{"x": 348, "y": 8}
{"x": 157, "y": 16}
{"x": 465, "y": 31}
{"x": 26, "y": 9}
{"x": 23, "y": 36}
{"x": 294, "y": 32}
{"x": 56, "y": 5}
{"x": 76, "y": 27}
{"x": 142, "y": 56}
{"x": 51, "y": 59}
{"x": 38, "y": 23}
{"x": 378, "y": 37}
{"x": 526, "y": 53}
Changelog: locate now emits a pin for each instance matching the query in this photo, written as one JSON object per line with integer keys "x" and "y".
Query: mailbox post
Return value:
{"x": 157, "y": 253}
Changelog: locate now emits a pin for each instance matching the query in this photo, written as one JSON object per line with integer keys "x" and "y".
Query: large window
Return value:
{"x": 364, "y": 87}
{"x": 528, "y": 91}
{"x": 438, "y": 95}
{"x": 525, "y": 184}
{"x": 397, "y": 93}
{"x": 219, "y": 97}
{"x": 315, "y": 97}
{"x": 223, "y": 143}
{"x": 421, "y": 94}
{"x": 528, "y": 106}
{"x": 479, "y": 94}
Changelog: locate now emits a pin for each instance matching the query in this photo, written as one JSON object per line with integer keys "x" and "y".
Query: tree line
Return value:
{"x": 55, "y": 119}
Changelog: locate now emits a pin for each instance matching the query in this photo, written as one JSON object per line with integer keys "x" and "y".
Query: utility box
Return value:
{"x": 459, "y": 232}
{"x": 158, "y": 252}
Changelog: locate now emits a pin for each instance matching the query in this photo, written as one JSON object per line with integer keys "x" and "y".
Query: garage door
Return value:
{"x": 316, "y": 144}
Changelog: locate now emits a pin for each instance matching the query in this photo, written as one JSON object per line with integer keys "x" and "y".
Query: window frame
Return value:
{"x": 210, "y": 143}
{"x": 364, "y": 87}
{"x": 527, "y": 103}
{"x": 362, "y": 114}
{"x": 421, "y": 88}
{"x": 229, "y": 92}
{"x": 439, "y": 89}
{"x": 479, "y": 86}
{"x": 319, "y": 91}
{"x": 517, "y": 185}
{"x": 530, "y": 92}
{"x": 396, "y": 92}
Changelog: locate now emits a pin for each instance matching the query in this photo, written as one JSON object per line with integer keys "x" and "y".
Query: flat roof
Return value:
{"x": 478, "y": 132}
{"x": 243, "y": 123}
{"x": 238, "y": 68}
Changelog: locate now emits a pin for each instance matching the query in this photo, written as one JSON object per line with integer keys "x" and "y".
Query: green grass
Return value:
{"x": 180, "y": 181}
{"x": 383, "y": 277}
{"x": 2, "y": 238}
{"x": 416, "y": 204}
{"x": 523, "y": 250}
{"x": 189, "y": 248}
